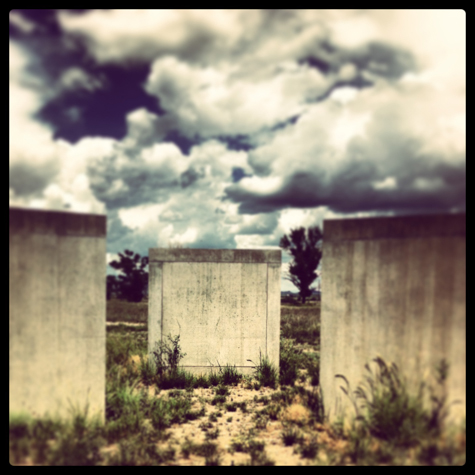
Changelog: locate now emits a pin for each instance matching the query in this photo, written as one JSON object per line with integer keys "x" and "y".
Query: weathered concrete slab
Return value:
{"x": 57, "y": 311}
{"x": 393, "y": 287}
{"x": 224, "y": 304}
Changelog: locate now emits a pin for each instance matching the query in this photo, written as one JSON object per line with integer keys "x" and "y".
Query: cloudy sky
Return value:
{"x": 227, "y": 128}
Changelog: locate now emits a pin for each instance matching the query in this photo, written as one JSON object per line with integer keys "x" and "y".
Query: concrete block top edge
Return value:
{"x": 215, "y": 255}
{"x": 442, "y": 225}
{"x": 66, "y": 223}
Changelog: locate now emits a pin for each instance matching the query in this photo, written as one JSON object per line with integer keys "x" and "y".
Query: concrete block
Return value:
{"x": 395, "y": 288}
{"x": 57, "y": 312}
{"x": 224, "y": 304}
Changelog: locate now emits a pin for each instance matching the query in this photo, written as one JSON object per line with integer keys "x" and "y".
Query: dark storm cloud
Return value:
{"x": 382, "y": 59}
{"x": 39, "y": 20}
{"x": 377, "y": 58}
{"x": 351, "y": 193}
{"x": 97, "y": 102}
{"x": 103, "y": 110}
{"x": 358, "y": 82}
{"x": 52, "y": 51}
{"x": 236, "y": 142}
{"x": 130, "y": 187}
{"x": 353, "y": 189}
{"x": 322, "y": 65}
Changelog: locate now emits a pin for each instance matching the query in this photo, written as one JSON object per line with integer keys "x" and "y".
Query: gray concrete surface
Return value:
{"x": 224, "y": 304}
{"x": 393, "y": 287}
{"x": 57, "y": 312}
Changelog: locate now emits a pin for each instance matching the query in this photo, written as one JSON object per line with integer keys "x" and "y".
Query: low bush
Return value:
{"x": 229, "y": 376}
{"x": 265, "y": 372}
{"x": 308, "y": 449}
{"x": 389, "y": 412}
{"x": 290, "y": 361}
{"x": 291, "y": 436}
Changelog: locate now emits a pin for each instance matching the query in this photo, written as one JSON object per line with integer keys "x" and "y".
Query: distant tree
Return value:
{"x": 112, "y": 287}
{"x": 305, "y": 248}
{"x": 132, "y": 282}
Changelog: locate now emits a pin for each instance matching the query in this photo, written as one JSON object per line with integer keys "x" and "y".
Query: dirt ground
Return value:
{"x": 235, "y": 425}
{"x": 240, "y": 426}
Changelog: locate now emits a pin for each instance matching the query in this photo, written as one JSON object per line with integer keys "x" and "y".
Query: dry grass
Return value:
{"x": 302, "y": 323}
{"x": 297, "y": 413}
{"x": 123, "y": 311}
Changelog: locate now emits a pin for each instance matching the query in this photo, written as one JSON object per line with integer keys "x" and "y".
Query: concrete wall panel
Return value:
{"x": 220, "y": 302}
{"x": 273, "y": 309}
{"x": 393, "y": 287}
{"x": 57, "y": 312}
{"x": 154, "y": 304}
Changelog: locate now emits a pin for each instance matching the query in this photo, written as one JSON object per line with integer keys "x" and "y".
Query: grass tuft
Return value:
{"x": 265, "y": 372}
{"x": 389, "y": 412}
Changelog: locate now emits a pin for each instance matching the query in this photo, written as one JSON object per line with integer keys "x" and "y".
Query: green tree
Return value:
{"x": 132, "y": 282}
{"x": 305, "y": 248}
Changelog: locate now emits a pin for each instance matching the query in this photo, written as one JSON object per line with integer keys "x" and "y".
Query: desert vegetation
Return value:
{"x": 157, "y": 414}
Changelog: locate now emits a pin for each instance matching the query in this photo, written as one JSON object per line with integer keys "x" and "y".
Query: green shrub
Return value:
{"x": 79, "y": 445}
{"x": 313, "y": 400}
{"x": 229, "y": 375}
{"x": 123, "y": 410}
{"x": 213, "y": 379}
{"x": 167, "y": 356}
{"x": 221, "y": 391}
{"x": 259, "y": 458}
{"x": 231, "y": 407}
{"x": 291, "y": 436}
{"x": 389, "y": 412}
{"x": 207, "y": 449}
{"x": 31, "y": 437}
{"x": 312, "y": 365}
{"x": 202, "y": 381}
{"x": 176, "y": 379}
{"x": 265, "y": 372}
{"x": 290, "y": 362}
{"x": 246, "y": 445}
{"x": 308, "y": 449}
